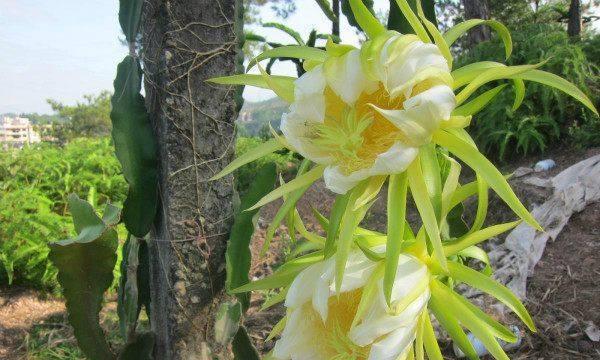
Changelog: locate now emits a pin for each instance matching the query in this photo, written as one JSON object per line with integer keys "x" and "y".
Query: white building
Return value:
{"x": 16, "y": 132}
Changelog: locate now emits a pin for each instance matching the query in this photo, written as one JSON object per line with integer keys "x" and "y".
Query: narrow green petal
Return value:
{"x": 461, "y": 28}
{"x": 335, "y": 218}
{"x": 299, "y": 182}
{"x": 478, "y": 253}
{"x": 556, "y": 82}
{"x": 255, "y": 80}
{"x": 288, "y": 206}
{"x": 431, "y": 345}
{"x": 482, "y": 204}
{"x": 396, "y": 209}
{"x": 467, "y": 73}
{"x": 344, "y": 243}
{"x": 420, "y": 195}
{"x": 413, "y": 20}
{"x": 372, "y": 190}
{"x": 519, "y": 86}
{"x": 488, "y": 285}
{"x": 476, "y": 237}
{"x": 256, "y": 153}
{"x": 444, "y": 314}
{"x": 292, "y": 51}
{"x": 469, "y": 319}
{"x": 477, "y": 104}
{"x": 285, "y": 93}
{"x": 438, "y": 38}
{"x": 482, "y": 166}
{"x": 492, "y": 74}
{"x": 367, "y": 21}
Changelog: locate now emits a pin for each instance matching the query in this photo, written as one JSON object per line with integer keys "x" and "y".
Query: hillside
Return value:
{"x": 257, "y": 115}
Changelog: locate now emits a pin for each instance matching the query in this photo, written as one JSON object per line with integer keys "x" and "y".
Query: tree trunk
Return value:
{"x": 574, "y": 26}
{"x": 477, "y": 9}
{"x": 336, "y": 23}
{"x": 185, "y": 42}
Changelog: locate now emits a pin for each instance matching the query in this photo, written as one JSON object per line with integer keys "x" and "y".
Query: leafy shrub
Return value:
{"x": 284, "y": 161}
{"x": 546, "y": 115}
{"x": 34, "y": 185}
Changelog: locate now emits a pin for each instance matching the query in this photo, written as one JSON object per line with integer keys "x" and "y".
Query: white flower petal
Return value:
{"x": 295, "y": 342}
{"x": 309, "y": 103}
{"x": 395, "y": 345}
{"x": 300, "y": 135}
{"x": 422, "y": 113}
{"x": 394, "y": 161}
{"x": 340, "y": 183}
{"x": 346, "y": 77}
{"x": 300, "y": 290}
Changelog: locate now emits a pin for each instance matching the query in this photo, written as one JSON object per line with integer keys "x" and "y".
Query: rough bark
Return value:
{"x": 184, "y": 43}
{"x": 574, "y": 25}
{"x": 477, "y": 9}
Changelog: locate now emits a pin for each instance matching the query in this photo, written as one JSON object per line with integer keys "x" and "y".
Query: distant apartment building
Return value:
{"x": 16, "y": 132}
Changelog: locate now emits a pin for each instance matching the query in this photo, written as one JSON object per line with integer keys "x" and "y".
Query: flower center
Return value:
{"x": 331, "y": 338}
{"x": 355, "y": 136}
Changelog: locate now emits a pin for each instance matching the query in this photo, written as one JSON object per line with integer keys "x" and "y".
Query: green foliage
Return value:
{"x": 34, "y": 185}
{"x": 89, "y": 118}
{"x": 547, "y": 116}
{"x": 135, "y": 147}
{"x": 85, "y": 271}
{"x": 238, "y": 256}
{"x": 246, "y": 175}
{"x": 28, "y": 224}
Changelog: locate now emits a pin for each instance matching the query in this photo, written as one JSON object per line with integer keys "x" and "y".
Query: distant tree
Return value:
{"x": 283, "y": 9}
{"x": 477, "y": 9}
{"x": 89, "y": 118}
{"x": 574, "y": 24}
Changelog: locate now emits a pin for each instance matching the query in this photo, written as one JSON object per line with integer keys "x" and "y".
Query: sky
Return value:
{"x": 64, "y": 49}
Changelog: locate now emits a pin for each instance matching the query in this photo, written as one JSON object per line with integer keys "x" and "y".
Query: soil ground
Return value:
{"x": 563, "y": 294}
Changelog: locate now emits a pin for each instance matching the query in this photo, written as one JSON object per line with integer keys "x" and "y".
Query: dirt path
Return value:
{"x": 20, "y": 309}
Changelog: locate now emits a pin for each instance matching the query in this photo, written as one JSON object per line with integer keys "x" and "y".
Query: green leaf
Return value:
{"x": 130, "y": 13}
{"x": 298, "y": 183}
{"x": 365, "y": 19}
{"x": 335, "y": 218}
{"x": 486, "y": 284}
{"x": 140, "y": 348}
{"x": 396, "y": 209}
{"x": 286, "y": 29}
{"x": 288, "y": 206}
{"x": 461, "y": 28}
{"x": 477, "y": 104}
{"x": 556, "y": 82}
{"x": 482, "y": 166}
{"x": 242, "y": 346}
{"x": 135, "y": 147}
{"x": 227, "y": 322}
{"x": 253, "y": 154}
{"x": 85, "y": 271}
{"x": 420, "y": 195}
{"x": 325, "y": 6}
{"x": 291, "y": 51}
{"x": 238, "y": 256}
{"x": 444, "y": 314}
{"x": 476, "y": 237}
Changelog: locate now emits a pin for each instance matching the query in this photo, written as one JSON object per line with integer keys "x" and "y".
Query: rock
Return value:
{"x": 592, "y": 331}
